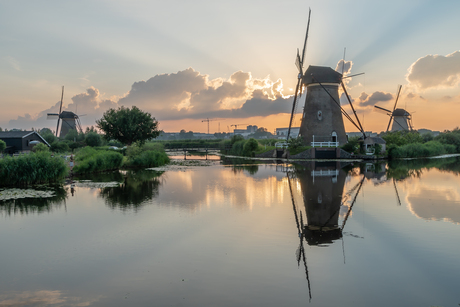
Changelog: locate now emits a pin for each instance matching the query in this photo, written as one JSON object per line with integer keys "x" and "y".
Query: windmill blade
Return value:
{"x": 60, "y": 110}
{"x": 52, "y": 116}
{"x": 350, "y": 76}
{"x": 397, "y": 97}
{"x": 298, "y": 62}
{"x": 299, "y": 81}
{"x": 389, "y": 122}
{"x": 380, "y": 109}
{"x": 351, "y": 105}
{"x": 306, "y": 37}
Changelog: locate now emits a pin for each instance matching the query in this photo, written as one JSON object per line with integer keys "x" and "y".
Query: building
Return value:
{"x": 281, "y": 133}
{"x": 21, "y": 141}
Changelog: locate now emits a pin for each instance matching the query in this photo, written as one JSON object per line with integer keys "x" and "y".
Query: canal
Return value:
{"x": 237, "y": 233}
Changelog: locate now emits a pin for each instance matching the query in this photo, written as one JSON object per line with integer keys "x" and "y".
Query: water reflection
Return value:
{"x": 322, "y": 185}
{"x": 136, "y": 189}
{"x": 29, "y": 205}
{"x": 42, "y": 298}
{"x": 240, "y": 165}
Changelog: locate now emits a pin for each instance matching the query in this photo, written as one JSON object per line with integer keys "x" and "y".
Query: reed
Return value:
{"x": 33, "y": 168}
{"x": 90, "y": 160}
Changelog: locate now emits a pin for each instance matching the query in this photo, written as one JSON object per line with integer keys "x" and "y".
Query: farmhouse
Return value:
{"x": 21, "y": 141}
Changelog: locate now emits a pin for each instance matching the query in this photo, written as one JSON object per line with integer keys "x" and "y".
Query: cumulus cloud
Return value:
{"x": 434, "y": 71}
{"x": 366, "y": 100}
{"x": 187, "y": 94}
{"x": 344, "y": 66}
{"x": 89, "y": 104}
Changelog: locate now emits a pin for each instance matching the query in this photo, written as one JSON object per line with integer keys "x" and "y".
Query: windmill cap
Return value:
{"x": 400, "y": 112}
{"x": 67, "y": 114}
{"x": 321, "y": 74}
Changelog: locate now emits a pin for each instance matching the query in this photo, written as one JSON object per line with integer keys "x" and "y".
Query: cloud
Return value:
{"x": 344, "y": 66}
{"x": 414, "y": 96}
{"x": 434, "y": 71}
{"x": 13, "y": 63}
{"x": 366, "y": 100}
{"x": 90, "y": 106}
{"x": 187, "y": 94}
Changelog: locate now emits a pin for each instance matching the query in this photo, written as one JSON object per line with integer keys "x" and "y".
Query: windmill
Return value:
{"x": 402, "y": 120}
{"x": 322, "y": 119}
{"x": 69, "y": 119}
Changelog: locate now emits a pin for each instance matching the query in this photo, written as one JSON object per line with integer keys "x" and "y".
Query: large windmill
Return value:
{"x": 402, "y": 120}
{"x": 322, "y": 120}
{"x": 69, "y": 119}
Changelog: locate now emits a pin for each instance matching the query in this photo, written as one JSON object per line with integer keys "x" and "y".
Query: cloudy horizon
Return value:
{"x": 241, "y": 72}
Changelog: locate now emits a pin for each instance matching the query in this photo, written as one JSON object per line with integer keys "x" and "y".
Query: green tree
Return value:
{"x": 48, "y": 135}
{"x": 93, "y": 139}
{"x": 128, "y": 125}
{"x": 2, "y": 146}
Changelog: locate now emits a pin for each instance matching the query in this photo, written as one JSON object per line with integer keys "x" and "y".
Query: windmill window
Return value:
{"x": 319, "y": 115}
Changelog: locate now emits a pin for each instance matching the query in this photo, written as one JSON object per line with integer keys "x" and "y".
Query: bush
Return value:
{"x": 60, "y": 147}
{"x": 89, "y": 160}
{"x": 250, "y": 147}
{"x": 40, "y": 147}
{"x": 93, "y": 139}
{"x": 2, "y": 146}
{"x": 149, "y": 155}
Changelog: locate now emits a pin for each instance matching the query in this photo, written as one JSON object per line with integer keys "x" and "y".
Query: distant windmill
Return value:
{"x": 69, "y": 119}
{"x": 322, "y": 117}
{"x": 402, "y": 120}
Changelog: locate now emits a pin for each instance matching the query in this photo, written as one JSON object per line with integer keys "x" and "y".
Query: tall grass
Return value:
{"x": 90, "y": 160}
{"x": 148, "y": 155}
{"x": 416, "y": 150}
{"x": 33, "y": 168}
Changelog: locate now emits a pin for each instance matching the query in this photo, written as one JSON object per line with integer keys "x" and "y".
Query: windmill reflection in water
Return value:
{"x": 322, "y": 185}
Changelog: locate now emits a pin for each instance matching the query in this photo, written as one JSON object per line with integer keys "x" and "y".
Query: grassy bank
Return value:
{"x": 91, "y": 160}
{"x": 148, "y": 155}
{"x": 33, "y": 168}
{"x": 416, "y": 145}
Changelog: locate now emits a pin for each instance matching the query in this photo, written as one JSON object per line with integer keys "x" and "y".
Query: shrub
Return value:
{"x": 59, "y": 147}
{"x": 90, "y": 160}
{"x": 249, "y": 147}
{"x": 40, "y": 147}
{"x": 93, "y": 139}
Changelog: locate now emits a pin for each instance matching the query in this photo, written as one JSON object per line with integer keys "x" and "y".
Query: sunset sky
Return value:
{"x": 230, "y": 61}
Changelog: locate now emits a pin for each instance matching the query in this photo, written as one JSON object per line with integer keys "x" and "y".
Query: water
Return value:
{"x": 235, "y": 235}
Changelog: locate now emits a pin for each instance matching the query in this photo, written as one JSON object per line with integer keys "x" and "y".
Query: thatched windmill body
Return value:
{"x": 402, "y": 120}
{"x": 322, "y": 121}
{"x": 68, "y": 120}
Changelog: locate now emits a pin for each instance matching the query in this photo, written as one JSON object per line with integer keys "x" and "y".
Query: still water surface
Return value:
{"x": 222, "y": 234}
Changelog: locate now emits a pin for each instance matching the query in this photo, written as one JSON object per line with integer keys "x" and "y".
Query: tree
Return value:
{"x": 128, "y": 125}
{"x": 93, "y": 139}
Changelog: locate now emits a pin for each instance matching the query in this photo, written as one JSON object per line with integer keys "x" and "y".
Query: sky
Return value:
{"x": 230, "y": 61}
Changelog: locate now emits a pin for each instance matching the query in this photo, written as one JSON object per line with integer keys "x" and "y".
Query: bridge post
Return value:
{"x": 185, "y": 153}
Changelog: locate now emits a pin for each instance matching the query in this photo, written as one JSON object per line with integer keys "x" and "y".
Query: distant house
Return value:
{"x": 370, "y": 142}
{"x": 281, "y": 133}
{"x": 21, "y": 141}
